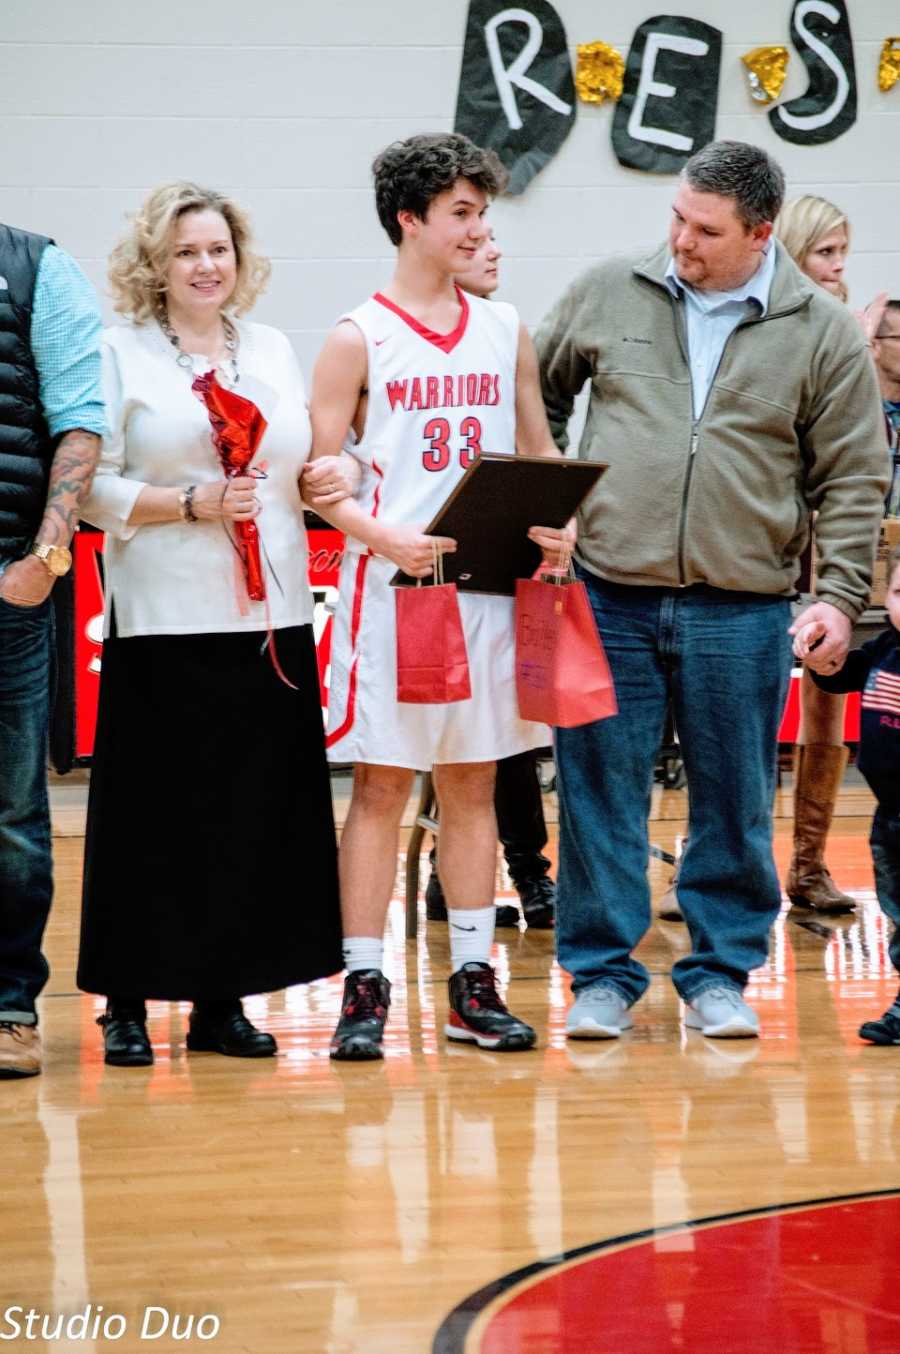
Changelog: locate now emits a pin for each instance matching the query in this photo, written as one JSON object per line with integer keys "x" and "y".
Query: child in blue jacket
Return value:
{"x": 874, "y": 669}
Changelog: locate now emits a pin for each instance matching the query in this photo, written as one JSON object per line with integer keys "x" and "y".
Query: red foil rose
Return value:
{"x": 237, "y": 430}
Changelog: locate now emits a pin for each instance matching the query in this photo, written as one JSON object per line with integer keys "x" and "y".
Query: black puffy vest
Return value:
{"x": 26, "y": 448}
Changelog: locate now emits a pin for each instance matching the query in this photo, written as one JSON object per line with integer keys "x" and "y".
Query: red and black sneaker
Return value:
{"x": 360, "y": 1030}
{"x": 478, "y": 1015}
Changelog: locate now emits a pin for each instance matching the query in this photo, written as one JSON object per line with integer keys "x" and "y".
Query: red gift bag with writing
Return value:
{"x": 562, "y": 676}
{"x": 432, "y": 662}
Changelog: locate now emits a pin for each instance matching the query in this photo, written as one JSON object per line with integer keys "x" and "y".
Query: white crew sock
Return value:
{"x": 362, "y": 952}
{"x": 471, "y": 934}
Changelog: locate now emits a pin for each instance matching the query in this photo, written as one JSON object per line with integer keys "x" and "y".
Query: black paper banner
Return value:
{"x": 668, "y": 106}
{"x": 820, "y": 30}
{"x": 516, "y": 92}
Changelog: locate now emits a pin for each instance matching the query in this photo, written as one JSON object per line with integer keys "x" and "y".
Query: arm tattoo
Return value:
{"x": 70, "y": 480}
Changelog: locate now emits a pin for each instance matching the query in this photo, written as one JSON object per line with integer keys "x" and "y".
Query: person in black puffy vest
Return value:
{"x": 51, "y": 421}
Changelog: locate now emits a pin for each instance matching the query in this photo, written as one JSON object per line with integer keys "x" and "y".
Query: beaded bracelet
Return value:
{"x": 186, "y": 504}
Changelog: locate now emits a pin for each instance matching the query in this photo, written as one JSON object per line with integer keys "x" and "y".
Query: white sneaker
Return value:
{"x": 599, "y": 1013}
{"x": 722, "y": 1013}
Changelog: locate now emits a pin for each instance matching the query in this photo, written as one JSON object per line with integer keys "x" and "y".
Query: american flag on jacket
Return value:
{"x": 882, "y": 692}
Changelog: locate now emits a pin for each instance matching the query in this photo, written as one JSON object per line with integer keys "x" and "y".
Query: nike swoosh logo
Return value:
{"x": 378, "y": 342}
{"x": 464, "y": 928}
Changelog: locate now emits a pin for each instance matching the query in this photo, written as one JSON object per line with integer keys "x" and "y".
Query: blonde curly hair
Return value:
{"x": 803, "y": 222}
{"x": 139, "y": 262}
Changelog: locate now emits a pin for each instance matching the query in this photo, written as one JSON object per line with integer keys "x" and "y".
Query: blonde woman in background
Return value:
{"x": 816, "y": 234}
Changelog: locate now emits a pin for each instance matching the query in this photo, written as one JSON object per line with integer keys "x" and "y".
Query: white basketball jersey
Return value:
{"x": 435, "y": 402}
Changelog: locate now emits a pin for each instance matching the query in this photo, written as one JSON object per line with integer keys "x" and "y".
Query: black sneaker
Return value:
{"x": 507, "y": 915}
{"x": 477, "y": 1014}
{"x": 538, "y": 902}
{"x": 360, "y": 1030}
{"x": 883, "y": 1031}
{"x": 436, "y": 904}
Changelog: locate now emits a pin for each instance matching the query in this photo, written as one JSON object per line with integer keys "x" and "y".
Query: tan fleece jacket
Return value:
{"x": 792, "y": 424}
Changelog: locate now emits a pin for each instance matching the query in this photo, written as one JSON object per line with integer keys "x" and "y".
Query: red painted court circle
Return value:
{"x": 815, "y": 1279}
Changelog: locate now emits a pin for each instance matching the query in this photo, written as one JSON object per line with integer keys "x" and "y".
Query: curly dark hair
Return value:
{"x": 410, "y": 174}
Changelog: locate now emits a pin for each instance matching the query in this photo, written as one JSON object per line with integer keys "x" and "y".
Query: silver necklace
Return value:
{"x": 232, "y": 342}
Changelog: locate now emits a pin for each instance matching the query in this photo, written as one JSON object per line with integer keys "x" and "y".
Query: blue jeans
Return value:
{"x": 26, "y": 871}
{"x": 885, "y": 844}
{"x": 724, "y": 661}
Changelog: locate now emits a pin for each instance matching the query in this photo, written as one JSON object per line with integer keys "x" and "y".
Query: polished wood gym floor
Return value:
{"x": 321, "y": 1208}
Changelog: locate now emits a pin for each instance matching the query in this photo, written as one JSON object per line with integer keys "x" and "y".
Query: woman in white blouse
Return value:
{"x": 210, "y": 866}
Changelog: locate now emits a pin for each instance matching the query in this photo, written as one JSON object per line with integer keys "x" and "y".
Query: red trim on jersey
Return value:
{"x": 356, "y": 613}
{"x": 446, "y": 342}
{"x": 376, "y": 498}
{"x": 355, "y": 618}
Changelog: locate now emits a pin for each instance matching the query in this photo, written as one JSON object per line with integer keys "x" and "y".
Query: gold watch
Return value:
{"x": 56, "y": 558}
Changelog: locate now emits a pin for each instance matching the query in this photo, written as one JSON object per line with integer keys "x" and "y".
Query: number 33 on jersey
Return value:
{"x": 435, "y": 402}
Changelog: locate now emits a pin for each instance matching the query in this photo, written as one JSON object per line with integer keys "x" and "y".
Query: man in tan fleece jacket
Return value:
{"x": 731, "y": 398}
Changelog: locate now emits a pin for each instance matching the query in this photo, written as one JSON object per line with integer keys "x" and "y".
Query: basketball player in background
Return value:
{"x": 518, "y": 800}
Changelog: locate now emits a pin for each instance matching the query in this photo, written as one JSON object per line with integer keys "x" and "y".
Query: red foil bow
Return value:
{"x": 237, "y": 430}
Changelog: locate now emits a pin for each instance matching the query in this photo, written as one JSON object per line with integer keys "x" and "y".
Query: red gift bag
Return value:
{"x": 432, "y": 662}
{"x": 562, "y": 676}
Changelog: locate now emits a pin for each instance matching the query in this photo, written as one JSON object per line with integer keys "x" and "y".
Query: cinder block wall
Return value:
{"x": 285, "y": 102}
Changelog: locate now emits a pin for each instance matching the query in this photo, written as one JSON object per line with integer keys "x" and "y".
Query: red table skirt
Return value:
{"x": 326, "y": 547}
{"x": 325, "y": 551}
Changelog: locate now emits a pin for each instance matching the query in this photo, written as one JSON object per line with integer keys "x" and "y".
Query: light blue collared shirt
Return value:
{"x": 65, "y": 344}
{"x": 713, "y": 316}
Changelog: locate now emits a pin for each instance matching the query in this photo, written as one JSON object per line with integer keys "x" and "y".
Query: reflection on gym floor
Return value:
{"x": 331, "y": 1208}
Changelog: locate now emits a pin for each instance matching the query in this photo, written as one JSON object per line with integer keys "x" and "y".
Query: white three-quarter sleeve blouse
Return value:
{"x": 180, "y": 577}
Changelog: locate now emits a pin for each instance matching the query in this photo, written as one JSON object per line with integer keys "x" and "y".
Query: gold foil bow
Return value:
{"x": 889, "y": 64}
{"x": 766, "y": 69}
{"x": 599, "y": 72}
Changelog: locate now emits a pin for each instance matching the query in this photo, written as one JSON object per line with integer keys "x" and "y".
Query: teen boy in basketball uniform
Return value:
{"x": 426, "y": 378}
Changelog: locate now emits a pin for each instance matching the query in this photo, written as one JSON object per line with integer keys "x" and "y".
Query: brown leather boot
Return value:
{"x": 818, "y": 772}
{"x": 20, "y": 1049}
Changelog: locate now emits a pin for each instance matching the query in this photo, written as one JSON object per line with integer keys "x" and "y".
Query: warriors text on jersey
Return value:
{"x": 435, "y": 401}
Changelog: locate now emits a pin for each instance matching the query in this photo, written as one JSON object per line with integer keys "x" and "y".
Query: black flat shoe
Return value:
{"x": 125, "y": 1039}
{"x": 211, "y": 1031}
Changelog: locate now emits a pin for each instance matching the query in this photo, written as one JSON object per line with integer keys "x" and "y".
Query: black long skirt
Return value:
{"x": 210, "y": 858}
